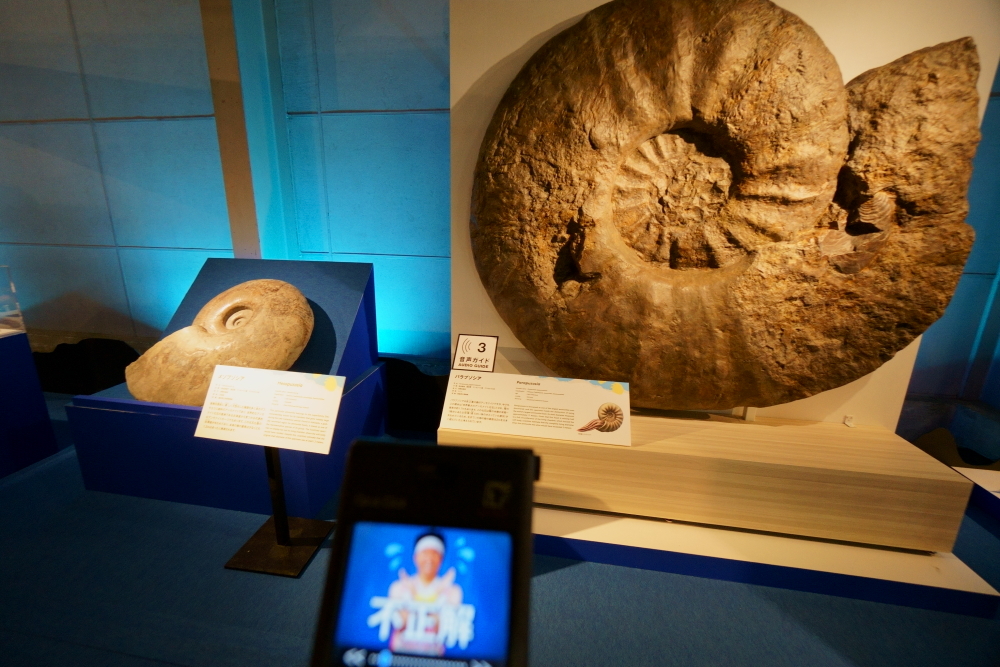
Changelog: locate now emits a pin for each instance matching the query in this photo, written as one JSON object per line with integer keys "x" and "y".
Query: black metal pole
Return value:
{"x": 273, "y": 457}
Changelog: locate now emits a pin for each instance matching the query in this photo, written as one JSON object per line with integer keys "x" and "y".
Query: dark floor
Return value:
{"x": 89, "y": 578}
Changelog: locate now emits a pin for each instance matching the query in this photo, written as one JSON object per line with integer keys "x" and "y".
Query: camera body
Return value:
{"x": 431, "y": 559}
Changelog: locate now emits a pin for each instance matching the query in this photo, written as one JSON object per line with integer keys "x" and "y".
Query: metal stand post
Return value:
{"x": 283, "y": 545}
{"x": 277, "y": 486}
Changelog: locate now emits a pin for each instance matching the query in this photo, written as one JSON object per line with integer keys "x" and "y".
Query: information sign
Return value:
{"x": 272, "y": 408}
{"x": 538, "y": 406}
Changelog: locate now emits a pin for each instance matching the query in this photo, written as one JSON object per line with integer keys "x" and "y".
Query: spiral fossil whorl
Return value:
{"x": 665, "y": 196}
{"x": 257, "y": 324}
{"x": 611, "y": 417}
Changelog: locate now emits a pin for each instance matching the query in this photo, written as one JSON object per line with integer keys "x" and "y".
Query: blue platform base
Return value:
{"x": 965, "y": 602}
{"x": 986, "y": 501}
{"x": 149, "y": 450}
{"x": 796, "y": 579}
{"x": 26, "y": 434}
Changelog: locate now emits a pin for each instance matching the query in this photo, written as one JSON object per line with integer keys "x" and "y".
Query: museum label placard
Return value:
{"x": 272, "y": 408}
{"x": 538, "y": 406}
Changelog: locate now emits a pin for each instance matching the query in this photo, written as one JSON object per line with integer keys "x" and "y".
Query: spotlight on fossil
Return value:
{"x": 256, "y": 324}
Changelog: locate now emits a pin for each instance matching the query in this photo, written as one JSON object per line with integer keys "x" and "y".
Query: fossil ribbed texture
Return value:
{"x": 683, "y": 194}
{"x": 256, "y": 324}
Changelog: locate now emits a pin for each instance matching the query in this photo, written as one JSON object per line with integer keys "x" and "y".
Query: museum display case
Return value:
{"x": 148, "y": 448}
{"x": 11, "y": 320}
{"x": 26, "y": 434}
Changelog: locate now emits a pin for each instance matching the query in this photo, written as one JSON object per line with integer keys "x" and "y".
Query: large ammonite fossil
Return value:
{"x": 256, "y": 324}
{"x": 684, "y": 195}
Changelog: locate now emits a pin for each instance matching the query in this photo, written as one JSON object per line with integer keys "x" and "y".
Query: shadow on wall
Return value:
{"x": 971, "y": 426}
{"x": 414, "y": 400}
{"x": 75, "y": 311}
{"x": 940, "y": 379}
{"x": 92, "y": 365}
{"x": 319, "y": 353}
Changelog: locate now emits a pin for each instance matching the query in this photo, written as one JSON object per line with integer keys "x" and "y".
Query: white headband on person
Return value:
{"x": 429, "y": 542}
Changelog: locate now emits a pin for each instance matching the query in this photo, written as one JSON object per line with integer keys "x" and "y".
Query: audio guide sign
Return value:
{"x": 475, "y": 353}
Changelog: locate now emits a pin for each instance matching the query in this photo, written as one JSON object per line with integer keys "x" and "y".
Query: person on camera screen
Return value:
{"x": 424, "y": 610}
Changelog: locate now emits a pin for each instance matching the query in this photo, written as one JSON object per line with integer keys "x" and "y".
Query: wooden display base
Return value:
{"x": 813, "y": 479}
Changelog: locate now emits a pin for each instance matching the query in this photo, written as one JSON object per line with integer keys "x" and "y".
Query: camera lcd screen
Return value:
{"x": 424, "y": 596}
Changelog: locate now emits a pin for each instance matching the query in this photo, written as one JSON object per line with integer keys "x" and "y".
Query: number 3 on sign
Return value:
{"x": 475, "y": 353}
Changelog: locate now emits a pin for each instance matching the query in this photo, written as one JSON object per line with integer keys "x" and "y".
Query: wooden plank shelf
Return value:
{"x": 815, "y": 479}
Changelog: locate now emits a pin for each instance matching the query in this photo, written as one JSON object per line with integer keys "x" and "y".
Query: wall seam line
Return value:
{"x": 334, "y": 112}
{"x": 100, "y": 162}
{"x": 322, "y": 133}
{"x": 105, "y": 119}
{"x": 106, "y": 246}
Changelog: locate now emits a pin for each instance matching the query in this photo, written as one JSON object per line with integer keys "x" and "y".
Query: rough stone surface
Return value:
{"x": 684, "y": 195}
{"x": 256, "y": 324}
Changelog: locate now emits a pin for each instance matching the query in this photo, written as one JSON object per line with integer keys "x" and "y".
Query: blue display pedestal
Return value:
{"x": 149, "y": 450}
{"x": 26, "y": 434}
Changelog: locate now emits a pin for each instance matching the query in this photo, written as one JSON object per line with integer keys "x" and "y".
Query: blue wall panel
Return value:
{"x": 298, "y": 55}
{"x": 984, "y": 196}
{"x": 946, "y": 345}
{"x": 50, "y": 186}
{"x": 156, "y": 279}
{"x": 412, "y": 301}
{"x": 369, "y": 156}
{"x": 164, "y": 183}
{"x": 39, "y": 72}
{"x": 390, "y": 54}
{"x": 958, "y": 355}
{"x": 367, "y": 186}
{"x": 305, "y": 143}
{"x": 991, "y": 387}
{"x": 143, "y": 58}
{"x": 983, "y": 353}
{"x": 387, "y": 183}
{"x": 69, "y": 288}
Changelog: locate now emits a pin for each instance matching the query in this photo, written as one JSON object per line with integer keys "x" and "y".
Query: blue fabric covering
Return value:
{"x": 414, "y": 311}
{"x": 149, "y": 450}
{"x": 944, "y": 350}
{"x": 88, "y": 578}
{"x": 26, "y": 435}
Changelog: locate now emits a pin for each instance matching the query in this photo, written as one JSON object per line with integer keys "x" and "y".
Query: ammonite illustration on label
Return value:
{"x": 684, "y": 195}
{"x": 609, "y": 418}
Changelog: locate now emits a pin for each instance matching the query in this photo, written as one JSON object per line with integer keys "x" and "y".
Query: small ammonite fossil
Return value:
{"x": 256, "y": 324}
{"x": 609, "y": 418}
{"x": 683, "y": 195}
